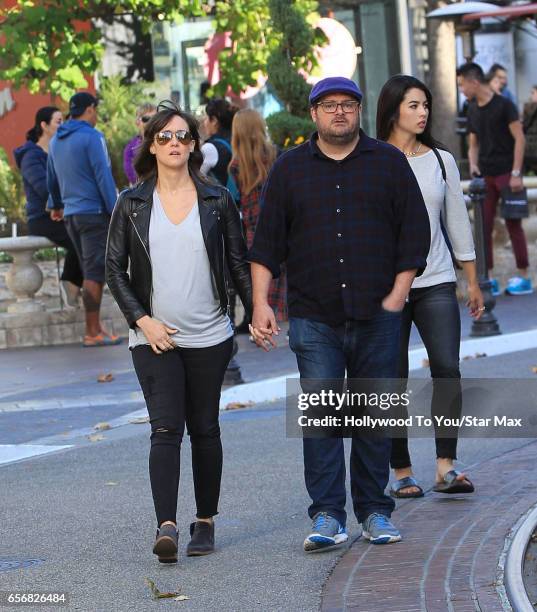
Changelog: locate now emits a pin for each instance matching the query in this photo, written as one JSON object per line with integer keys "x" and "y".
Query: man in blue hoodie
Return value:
{"x": 83, "y": 192}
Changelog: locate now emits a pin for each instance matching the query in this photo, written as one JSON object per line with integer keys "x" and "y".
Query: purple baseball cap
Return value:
{"x": 334, "y": 85}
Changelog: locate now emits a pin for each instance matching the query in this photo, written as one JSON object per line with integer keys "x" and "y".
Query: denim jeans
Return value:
{"x": 364, "y": 349}
{"x": 435, "y": 312}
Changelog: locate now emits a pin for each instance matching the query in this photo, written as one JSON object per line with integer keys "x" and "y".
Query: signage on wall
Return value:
{"x": 6, "y": 101}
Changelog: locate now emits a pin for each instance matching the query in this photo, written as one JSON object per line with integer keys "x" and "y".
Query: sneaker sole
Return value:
{"x": 382, "y": 539}
{"x": 319, "y": 543}
{"x": 166, "y": 550}
{"x": 525, "y": 292}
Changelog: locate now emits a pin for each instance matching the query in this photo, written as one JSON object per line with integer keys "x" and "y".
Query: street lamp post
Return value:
{"x": 487, "y": 324}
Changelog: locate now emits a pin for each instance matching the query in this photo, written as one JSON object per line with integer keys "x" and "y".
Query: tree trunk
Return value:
{"x": 442, "y": 79}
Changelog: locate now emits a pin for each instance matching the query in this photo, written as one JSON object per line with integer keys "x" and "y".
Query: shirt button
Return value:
{"x": 338, "y": 210}
{"x": 343, "y": 285}
{"x": 339, "y": 235}
{"x": 341, "y": 261}
{"x": 337, "y": 186}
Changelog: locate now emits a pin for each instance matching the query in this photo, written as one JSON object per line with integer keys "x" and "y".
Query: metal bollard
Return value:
{"x": 487, "y": 325}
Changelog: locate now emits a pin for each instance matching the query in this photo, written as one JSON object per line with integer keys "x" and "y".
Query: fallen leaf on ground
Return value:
{"x": 424, "y": 363}
{"x": 95, "y": 437}
{"x": 139, "y": 420}
{"x": 480, "y": 355}
{"x": 111, "y": 483}
{"x": 238, "y": 405}
{"x": 159, "y": 594}
{"x": 103, "y": 426}
{"x": 105, "y": 377}
{"x": 181, "y": 598}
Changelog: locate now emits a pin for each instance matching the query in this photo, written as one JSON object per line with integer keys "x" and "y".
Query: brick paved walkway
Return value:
{"x": 448, "y": 560}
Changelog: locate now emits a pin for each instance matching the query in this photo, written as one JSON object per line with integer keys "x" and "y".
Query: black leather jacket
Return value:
{"x": 128, "y": 243}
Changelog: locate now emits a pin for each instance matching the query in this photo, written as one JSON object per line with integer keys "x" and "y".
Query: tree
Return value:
{"x": 48, "y": 46}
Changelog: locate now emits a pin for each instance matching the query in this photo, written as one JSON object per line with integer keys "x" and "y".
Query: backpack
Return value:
{"x": 231, "y": 185}
{"x": 456, "y": 264}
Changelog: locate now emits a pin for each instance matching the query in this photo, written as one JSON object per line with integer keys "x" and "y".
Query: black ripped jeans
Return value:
{"x": 435, "y": 312}
{"x": 183, "y": 387}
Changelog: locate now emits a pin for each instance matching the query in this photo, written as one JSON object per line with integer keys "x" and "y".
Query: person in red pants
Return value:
{"x": 496, "y": 151}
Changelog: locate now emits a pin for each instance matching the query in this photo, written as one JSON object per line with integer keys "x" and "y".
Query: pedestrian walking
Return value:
{"x": 496, "y": 151}
{"x": 143, "y": 115}
{"x": 170, "y": 238}
{"x": 83, "y": 193}
{"x": 346, "y": 215}
{"x": 404, "y": 119}
{"x": 253, "y": 156}
{"x": 31, "y": 159}
{"x": 216, "y": 149}
{"x": 529, "y": 122}
{"x": 499, "y": 80}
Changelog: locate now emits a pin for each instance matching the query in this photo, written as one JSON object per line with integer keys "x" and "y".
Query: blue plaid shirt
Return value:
{"x": 344, "y": 228}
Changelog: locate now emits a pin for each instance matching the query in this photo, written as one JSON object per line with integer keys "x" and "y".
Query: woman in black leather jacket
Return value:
{"x": 169, "y": 240}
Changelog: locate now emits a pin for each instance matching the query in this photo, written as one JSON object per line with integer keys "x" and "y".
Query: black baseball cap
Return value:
{"x": 80, "y": 102}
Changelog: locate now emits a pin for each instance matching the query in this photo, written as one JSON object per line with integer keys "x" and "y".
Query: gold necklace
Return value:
{"x": 413, "y": 153}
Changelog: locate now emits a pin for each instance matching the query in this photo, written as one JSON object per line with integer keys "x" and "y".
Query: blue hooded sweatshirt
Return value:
{"x": 79, "y": 175}
{"x": 32, "y": 162}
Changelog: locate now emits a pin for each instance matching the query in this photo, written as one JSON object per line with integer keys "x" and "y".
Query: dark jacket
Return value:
{"x": 128, "y": 242}
{"x": 31, "y": 159}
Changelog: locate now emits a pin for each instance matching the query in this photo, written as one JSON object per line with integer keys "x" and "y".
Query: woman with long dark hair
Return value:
{"x": 170, "y": 238}
{"x": 31, "y": 159}
{"x": 216, "y": 149}
{"x": 253, "y": 156}
{"x": 404, "y": 118}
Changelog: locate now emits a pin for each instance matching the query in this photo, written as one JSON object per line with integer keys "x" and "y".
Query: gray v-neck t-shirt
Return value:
{"x": 184, "y": 295}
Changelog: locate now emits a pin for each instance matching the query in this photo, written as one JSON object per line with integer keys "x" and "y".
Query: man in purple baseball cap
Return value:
{"x": 346, "y": 215}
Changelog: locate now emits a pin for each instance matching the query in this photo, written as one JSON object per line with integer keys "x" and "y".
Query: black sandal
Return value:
{"x": 452, "y": 484}
{"x": 403, "y": 483}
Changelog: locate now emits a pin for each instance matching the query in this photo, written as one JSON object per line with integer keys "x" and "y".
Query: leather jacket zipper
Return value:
{"x": 150, "y": 263}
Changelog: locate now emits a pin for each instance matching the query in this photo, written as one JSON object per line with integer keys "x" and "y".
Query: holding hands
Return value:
{"x": 264, "y": 327}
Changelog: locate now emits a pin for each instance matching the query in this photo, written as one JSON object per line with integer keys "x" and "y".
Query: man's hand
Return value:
{"x": 393, "y": 303}
{"x": 56, "y": 214}
{"x": 157, "y": 334}
{"x": 516, "y": 183}
{"x": 474, "y": 170}
{"x": 264, "y": 326}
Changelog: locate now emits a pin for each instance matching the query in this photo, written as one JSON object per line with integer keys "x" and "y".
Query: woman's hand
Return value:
{"x": 264, "y": 327}
{"x": 475, "y": 301}
{"x": 157, "y": 334}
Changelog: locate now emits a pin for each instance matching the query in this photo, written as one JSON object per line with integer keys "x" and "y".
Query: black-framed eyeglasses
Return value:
{"x": 145, "y": 118}
{"x": 166, "y": 136}
{"x": 347, "y": 106}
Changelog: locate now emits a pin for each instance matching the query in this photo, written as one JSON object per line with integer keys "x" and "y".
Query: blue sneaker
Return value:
{"x": 378, "y": 529}
{"x": 495, "y": 287}
{"x": 519, "y": 286}
{"x": 326, "y": 533}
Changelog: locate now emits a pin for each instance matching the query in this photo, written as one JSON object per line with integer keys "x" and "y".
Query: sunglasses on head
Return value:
{"x": 166, "y": 136}
{"x": 145, "y": 118}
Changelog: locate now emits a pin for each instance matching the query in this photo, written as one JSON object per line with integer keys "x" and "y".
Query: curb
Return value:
{"x": 514, "y": 562}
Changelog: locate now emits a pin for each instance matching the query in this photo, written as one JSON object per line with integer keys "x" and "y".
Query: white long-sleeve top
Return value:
{"x": 444, "y": 197}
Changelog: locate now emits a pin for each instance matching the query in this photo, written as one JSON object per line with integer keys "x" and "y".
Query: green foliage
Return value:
{"x": 287, "y": 130}
{"x": 12, "y": 197}
{"x": 294, "y": 53}
{"x": 117, "y": 113}
{"x": 44, "y": 52}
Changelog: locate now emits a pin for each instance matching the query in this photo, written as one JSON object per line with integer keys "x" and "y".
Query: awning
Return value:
{"x": 506, "y": 12}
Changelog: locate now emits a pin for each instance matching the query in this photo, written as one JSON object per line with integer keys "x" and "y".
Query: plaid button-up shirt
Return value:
{"x": 344, "y": 228}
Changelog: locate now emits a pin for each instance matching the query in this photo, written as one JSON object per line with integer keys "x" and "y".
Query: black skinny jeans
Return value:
{"x": 57, "y": 233}
{"x": 181, "y": 387}
{"x": 435, "y": 312}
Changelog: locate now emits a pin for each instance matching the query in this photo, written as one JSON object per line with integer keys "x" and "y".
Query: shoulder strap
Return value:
{"x": 441, "y": 162}
{"x": 224, "y": 142}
